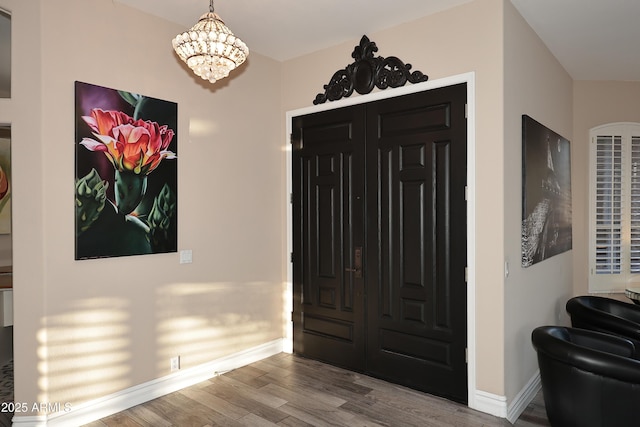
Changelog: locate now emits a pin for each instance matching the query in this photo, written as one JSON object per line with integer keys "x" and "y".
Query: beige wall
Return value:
{"x": 595, "y": 103}
{"x": 85, "y": 329}
{"x": 24, "y": 114}
{"x": 459, "y": 40}
{"x": 535, "y": 84}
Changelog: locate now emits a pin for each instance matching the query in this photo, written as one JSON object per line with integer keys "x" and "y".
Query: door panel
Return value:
{"x": 416, "y": 287}
{"x": 388, "y": 177}
{"x": 328, "y": 166}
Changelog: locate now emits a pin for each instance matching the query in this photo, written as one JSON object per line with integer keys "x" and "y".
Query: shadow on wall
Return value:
{"x": 85, "y": 353}
{"x": 91, "y": 350}
{"x": 201, "y": 322}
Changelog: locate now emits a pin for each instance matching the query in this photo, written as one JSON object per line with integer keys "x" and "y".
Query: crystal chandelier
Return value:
{"x": 209, "y": 48}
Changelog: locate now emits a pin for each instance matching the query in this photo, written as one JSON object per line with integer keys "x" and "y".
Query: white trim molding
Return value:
{"x": 474, "y": 401}
{"x": 125, "y": 399}
{"x": 497, "y": 405}
{"x": 522, "y": 399}
{"x": 490, "y": 403}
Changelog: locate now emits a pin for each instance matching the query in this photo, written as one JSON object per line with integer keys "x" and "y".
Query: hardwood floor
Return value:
{"x": 286, "y": 390}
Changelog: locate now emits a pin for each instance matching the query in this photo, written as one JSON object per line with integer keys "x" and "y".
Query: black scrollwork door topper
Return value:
{"x": 367, "y": 72}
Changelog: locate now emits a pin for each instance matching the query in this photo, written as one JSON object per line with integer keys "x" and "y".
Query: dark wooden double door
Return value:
{"x": 379, "y": 217}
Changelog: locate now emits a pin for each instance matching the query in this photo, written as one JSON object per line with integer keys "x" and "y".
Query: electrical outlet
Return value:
{"x": 175, "y": 363}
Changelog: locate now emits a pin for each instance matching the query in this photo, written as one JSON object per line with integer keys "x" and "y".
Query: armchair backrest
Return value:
{"x": 588, "y": 378}
{"x": 625, "y": 310}
{"x": 605, "y": 315}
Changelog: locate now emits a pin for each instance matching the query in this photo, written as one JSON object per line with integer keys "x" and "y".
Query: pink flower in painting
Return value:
{"x": 131, "y": 145}
{"x": 4, "y": 184}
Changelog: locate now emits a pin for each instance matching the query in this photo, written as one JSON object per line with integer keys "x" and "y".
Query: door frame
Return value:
{"x": 469, "y": 79}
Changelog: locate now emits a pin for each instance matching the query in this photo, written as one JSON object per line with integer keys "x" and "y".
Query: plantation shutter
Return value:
{"x": 634, "y": 219}
{"x": 608, "y": 207}
{"x": 614, "y": 215}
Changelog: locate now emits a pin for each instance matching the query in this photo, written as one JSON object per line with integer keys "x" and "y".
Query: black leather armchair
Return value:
{"x": 589, "y": 379}
{"x": 606, "y": 315}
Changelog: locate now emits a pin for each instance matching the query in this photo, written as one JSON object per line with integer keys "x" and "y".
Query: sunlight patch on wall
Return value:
{"x": 85, "y": 352}
{"x": 202, "y": 127}
{"x": 204, "y": 321}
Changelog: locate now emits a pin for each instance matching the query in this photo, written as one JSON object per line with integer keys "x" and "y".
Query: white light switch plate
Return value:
{"x": 186, "y": 256}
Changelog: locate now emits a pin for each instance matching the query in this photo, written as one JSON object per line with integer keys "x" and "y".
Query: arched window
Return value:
{"x": 614, "y": 207}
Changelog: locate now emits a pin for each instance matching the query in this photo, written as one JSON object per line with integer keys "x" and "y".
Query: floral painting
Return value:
{"x": 5, "y": 180}
{"x": 126, "y": 173}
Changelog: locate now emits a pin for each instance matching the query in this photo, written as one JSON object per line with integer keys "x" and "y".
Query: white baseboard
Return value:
{"x": 29, "y": 421}
{"x": 125, "y": 399}
{"x": 490, "y": 403}
{"x": 497, "y": 405}
{"x": 522, "y": 399}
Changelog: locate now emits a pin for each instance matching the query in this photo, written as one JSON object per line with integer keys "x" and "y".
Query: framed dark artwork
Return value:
{"x": 126, "y": 173}
{"x": 546, "y": 193}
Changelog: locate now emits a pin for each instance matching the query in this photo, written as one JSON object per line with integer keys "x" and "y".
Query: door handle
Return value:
{"x": 357, "y": 263}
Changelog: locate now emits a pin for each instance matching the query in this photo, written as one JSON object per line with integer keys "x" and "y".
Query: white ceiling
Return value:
{"x": 593, "y": 39}
{"x": 285, "y": 29}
